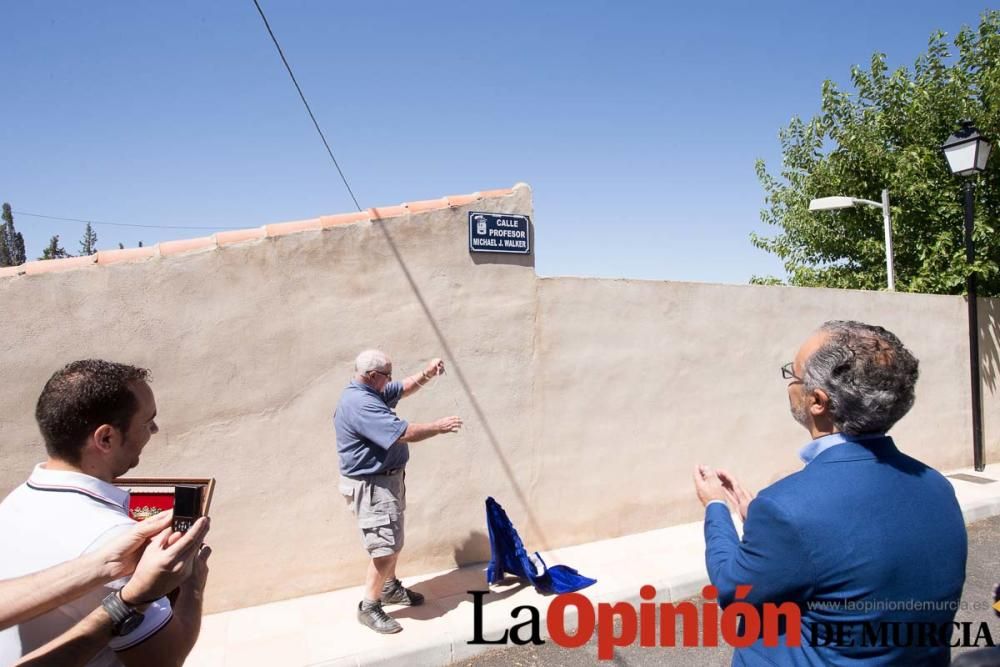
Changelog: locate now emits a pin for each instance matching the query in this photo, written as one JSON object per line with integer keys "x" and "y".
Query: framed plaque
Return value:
{"x": 151, "y": 495}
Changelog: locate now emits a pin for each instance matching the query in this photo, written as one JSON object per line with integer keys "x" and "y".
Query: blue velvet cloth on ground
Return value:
{"x": 508, "y": 556}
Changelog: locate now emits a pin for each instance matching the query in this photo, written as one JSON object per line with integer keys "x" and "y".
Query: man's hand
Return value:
{"x": 735, "y": 493}
{"x": 120, "y": 556}
{"x": 707, "y": 485}
{"x": 199, "y": 576}
{"x": 414, "y": 382}
{"x": 434, "y": 367}
{"x": 448, "y": 424}
{"x": 168, "y": 560}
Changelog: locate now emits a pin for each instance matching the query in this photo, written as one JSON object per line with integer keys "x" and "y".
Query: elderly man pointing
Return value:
{"x": 372, "y": 444}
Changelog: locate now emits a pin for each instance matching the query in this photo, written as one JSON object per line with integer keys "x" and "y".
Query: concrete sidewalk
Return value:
{"x": 322, "y": 629}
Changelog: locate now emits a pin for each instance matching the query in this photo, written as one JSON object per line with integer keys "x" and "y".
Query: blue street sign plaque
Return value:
{"x": 498, "y": 232}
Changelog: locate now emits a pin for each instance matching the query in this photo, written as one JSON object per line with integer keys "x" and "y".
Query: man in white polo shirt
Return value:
{"x": 95, "y": 417}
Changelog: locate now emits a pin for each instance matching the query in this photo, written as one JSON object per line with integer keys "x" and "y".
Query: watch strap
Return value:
{"x": 124, "y": 618}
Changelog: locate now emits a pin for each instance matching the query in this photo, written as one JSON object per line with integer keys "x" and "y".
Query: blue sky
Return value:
{"x": 637, "y": 124}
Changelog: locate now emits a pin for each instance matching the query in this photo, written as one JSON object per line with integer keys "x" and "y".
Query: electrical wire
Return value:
{"x": 312, "y": 116}
{"x": 306, "y": 103}
{"x": 116, "y": 224}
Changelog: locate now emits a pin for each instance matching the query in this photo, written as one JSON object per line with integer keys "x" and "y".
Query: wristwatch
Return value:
{"x": 124, "y": 619}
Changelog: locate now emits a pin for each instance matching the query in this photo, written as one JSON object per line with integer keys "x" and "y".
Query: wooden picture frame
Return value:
{"x": 151, "y": 495}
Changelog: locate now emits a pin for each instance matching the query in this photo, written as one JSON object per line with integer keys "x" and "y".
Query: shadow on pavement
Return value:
{"x": 439, "y": 606}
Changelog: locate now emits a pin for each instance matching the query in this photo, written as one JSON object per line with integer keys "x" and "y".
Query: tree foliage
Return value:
{"x": 11, "y": 241}
{"x": 88, "y": 244}
{"x": 53, "y": 250}
{"x": 887, "y": 133}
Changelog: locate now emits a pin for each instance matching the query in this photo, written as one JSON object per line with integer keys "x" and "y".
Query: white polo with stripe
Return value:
{"x": 54, "y": 517}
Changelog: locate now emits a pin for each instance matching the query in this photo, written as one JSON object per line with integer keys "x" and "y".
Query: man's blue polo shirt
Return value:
{"x": 368, "y": 428}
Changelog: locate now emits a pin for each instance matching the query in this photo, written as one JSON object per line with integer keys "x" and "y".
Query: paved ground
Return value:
{"x": 321, "y": 629}
{"x": 982, "y": 574}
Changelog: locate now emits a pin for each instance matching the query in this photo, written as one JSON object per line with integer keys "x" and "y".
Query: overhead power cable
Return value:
{"x": 306, "y": 103}
{"x": 117, "y": 224}
{"x": 312, "y": 116}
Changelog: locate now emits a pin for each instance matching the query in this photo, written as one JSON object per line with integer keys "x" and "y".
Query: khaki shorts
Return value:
{"x": 378, "y": 503}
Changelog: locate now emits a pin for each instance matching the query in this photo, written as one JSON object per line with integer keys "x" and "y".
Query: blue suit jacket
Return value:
{"x": 861, "y": 522}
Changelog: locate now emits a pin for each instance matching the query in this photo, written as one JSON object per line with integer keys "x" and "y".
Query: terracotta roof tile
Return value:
{"x": 461, "y": 200}
{"x": 426, "y": 205}
{"x": 240, "y": 235}
{"x": 327, "y": 221}
{"x": 383, "y": 212}
{"x": 53, "y": 265}
{"x": 125, "y": 255}
{"x": 169, "y": 248}
{"x": 282, "y": 228}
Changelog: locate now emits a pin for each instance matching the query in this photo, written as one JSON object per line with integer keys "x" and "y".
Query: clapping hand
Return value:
{"x": 707, "y": 485}
{"x": 735, "y": 493}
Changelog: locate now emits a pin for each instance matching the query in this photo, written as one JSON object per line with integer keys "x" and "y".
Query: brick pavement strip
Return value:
{"x": 982, "y": 574}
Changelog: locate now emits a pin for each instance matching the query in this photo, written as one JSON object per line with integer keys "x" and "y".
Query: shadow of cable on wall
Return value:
{"x": 466, "y": 387}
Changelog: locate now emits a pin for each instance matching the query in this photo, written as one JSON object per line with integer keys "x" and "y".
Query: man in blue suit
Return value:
{"x": 867, "y": 542}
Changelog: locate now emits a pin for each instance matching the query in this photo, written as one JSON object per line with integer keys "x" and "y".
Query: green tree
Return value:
{"x": 4, "y": 251}
{"x": 887, "y": 133}
{"x": 11, "y": 241}
{"x": 88, "y": 244}
{"x": 54, "y": 251}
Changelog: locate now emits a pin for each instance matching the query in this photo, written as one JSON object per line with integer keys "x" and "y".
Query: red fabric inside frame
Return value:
{"x": 144, "y": 504}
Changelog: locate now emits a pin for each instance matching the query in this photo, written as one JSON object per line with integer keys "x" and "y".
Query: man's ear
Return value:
{"x": 819, "y": 403}
{"x": 106, "y": 438}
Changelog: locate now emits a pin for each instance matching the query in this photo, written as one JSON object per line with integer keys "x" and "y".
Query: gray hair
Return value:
{"x": 370, "y": 360}
{"x": 866, "y": 372}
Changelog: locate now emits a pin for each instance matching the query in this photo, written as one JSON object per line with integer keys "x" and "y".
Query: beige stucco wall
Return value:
{"x": 587, "y": 402}
{"x": 637, "y": 382}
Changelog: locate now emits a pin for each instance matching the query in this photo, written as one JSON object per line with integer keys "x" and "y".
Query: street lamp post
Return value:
{"x": 967, "y": 152}
{"x": 835, "y": 203}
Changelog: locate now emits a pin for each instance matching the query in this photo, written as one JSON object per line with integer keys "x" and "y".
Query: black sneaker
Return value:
{"x": 394, "y": 593}
{"x": 376, "y": 619}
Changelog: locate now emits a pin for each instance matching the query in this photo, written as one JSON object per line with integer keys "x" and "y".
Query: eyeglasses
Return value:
{"x": 388, "y": 376}
{"x": 788, "y": 372}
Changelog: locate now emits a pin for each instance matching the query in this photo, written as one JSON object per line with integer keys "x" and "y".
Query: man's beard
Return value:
{"x": 800, "y": 413}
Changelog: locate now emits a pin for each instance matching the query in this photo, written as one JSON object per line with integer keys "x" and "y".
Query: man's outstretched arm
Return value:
{"x": 35, "y": 594}
{"x": 413, "y": 383}
{"x": 418, "y": 432}
{"x": 74, "y": 647}
{"x": 164, "y": 564}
